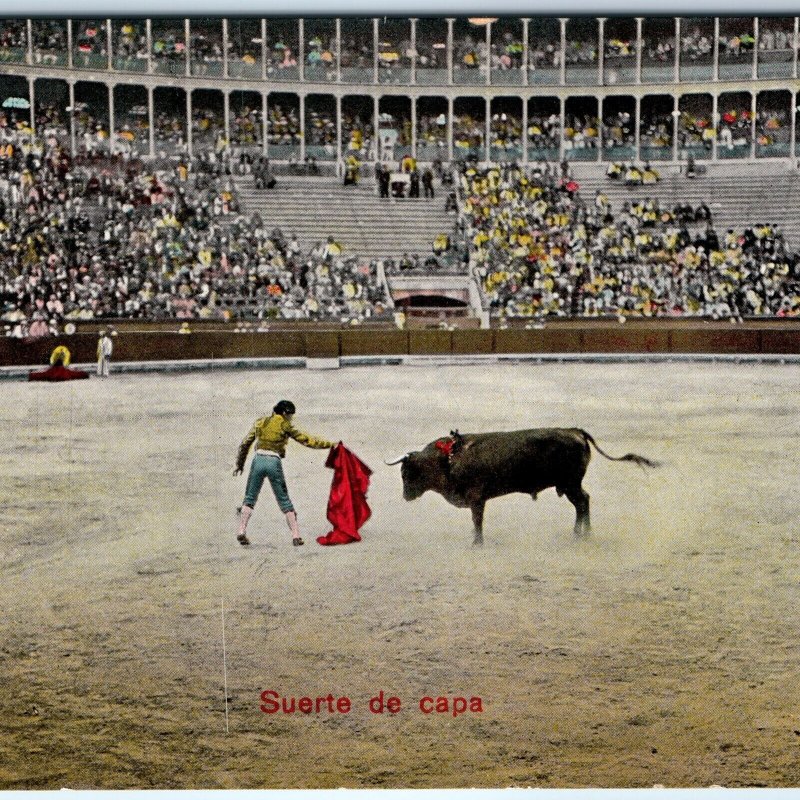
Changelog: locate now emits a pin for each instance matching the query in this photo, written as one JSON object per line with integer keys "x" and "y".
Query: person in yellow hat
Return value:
{"x": 60, "y": 355}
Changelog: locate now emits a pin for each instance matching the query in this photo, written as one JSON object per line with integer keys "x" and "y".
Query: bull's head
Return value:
{"x": 420, "y": 472}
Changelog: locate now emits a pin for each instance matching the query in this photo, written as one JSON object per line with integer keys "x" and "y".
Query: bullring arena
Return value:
{"x": 659, "y": 651}
{"x": 406, "y": 227}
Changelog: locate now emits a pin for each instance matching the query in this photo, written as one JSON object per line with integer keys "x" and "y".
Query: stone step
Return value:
{"x": 737, "y": 199}
{"x": 366, "y": 225}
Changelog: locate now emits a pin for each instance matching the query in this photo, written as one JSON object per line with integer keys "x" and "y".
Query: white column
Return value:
{"x": 148, "y": 34}
{"x": 375, "y": 40}
{"x": 301, "y": 48}
{"x": 112, "y": 132}
{"x": 226, "y": 111}
{"x": 338, "y": 51}
{"x": 339, "y": 126}
{"x": 715, "y": 73}
{"x": 32, "y": 98}
{"x": 29, "y": 25}
{"x": 376, "y": 111}
{"x": 525, "y": 124}
{"x": 563, "y": 123}
{"x": 303, "y": 99}
{"x": 637, "y": 136}
{"x": 715, "y": 123}
{"x": 639, "y": 46}
{"x": 676, "y": 115}
{"x": 677, "y": 50}
{"x": 756, "y": 36}
{"x": 563, "y": 78}
{"x": 793, "y": 132}
{"x": 753, "y": 125}
{"x": 413, "y": 127}
{"x": 225, "y": 48}
{"x": 151, "y": 127}
{"x": 601, "y": 127}
{"x": 72, "y": 118}
{"x": 601, "y": 51}
{"x": 449, "y": 128}
{"x": 414, "y": 56}
{"x": 450, "y": 53}
{"x": 525, "y": 55}
{"x": 263, "y": 49}
{"x": 264, "y": 139}
{"x": 488, "y": 53}
{"x": 187, "y": 44}
{"x": 795, "y": 40}
{"x": 189, "y": 132}
{"x": 109, "y": 45}
{"x": 69, "y": 45}
{"x": 487, "y": 132}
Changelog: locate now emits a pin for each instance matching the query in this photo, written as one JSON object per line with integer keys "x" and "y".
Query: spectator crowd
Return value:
{"x": 117, "y": 239}
{"x": 113, "y": 237}
{"x": 541, "y": 249}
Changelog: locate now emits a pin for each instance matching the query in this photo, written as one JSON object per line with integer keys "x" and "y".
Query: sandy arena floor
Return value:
{"x": 663, "y": 650}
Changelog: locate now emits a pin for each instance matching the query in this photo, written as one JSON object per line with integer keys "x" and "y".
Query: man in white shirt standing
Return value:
{"x": 104, "y": 349}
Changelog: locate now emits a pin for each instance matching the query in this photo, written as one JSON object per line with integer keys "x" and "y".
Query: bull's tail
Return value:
{"x": 640, "y": 460}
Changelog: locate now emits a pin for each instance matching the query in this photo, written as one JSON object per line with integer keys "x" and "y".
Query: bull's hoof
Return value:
{"x": 477, "y": 542}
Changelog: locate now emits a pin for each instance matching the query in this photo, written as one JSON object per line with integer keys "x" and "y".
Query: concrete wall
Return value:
{"x": 655, "y": 337}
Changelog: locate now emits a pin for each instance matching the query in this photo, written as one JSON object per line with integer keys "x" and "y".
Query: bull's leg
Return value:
{"x": 477, "y": 521}
{"x": 580, "y": 499}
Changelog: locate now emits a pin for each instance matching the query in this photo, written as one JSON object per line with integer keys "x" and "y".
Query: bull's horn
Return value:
{"x": 396, "y": 460}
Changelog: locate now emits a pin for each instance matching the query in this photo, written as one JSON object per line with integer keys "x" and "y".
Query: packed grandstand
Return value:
{"x": 125, "y": 198}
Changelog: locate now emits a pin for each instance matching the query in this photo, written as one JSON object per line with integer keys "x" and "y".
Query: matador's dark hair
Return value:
{"x": 284, "y": 407}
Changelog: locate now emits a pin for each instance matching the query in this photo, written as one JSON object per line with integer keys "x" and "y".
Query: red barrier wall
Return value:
{"x": 653, "y": 337}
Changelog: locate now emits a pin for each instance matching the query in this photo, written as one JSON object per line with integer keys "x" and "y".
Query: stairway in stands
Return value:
{"x": 738, "y": 196}
{"x": 365, "y": 225}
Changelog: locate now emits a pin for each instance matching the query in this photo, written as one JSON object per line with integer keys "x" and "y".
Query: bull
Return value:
{"x": 469, "y": 469}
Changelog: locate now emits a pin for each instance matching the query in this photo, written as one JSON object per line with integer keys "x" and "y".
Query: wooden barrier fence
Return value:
{"x": 652, "y": 337}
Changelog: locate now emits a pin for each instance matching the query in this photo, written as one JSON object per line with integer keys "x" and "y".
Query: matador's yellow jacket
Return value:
{"x": 272, "y": 433}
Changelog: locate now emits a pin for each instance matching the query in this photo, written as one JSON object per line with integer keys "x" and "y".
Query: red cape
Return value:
{"x": 347, "y": 504}
{"x": 58, "y": 373}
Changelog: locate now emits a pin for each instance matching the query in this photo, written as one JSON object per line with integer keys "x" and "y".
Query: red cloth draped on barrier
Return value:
{"x": 347, "y": 503}
{"x": 58, "y": 373}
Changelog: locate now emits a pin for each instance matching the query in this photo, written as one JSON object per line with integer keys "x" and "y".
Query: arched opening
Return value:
{"x": 581, "y": 129}
{"x": 208, "y": 120}
{"x": 169, "y": 112}
{"x": 394, "y": 128}
{"x": 619, "y": 129}
{"x": 505, "y": 129}
{"x": 695, "y": 126}
{"x": 544, "y": 128}
{"x": 320, "y": 130}
{"x": 283, "y": 126}
{"x": 131, "y": 119}
{"x": 656, "y": 127}
{"x": 469, "y": 128}
{"x": 735, "y": 128}
{"x": 773, "y": 124}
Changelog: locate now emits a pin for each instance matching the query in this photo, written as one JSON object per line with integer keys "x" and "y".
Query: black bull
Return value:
{"x": 469, "y": 469}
